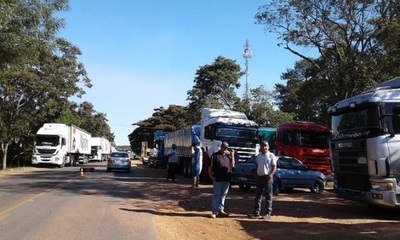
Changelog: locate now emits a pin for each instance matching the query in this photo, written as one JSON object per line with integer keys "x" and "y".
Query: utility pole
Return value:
{"x": 247, "y": 54}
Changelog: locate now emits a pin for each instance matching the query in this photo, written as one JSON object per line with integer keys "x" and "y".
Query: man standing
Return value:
{"x": 220, "y": 171}
{"x": 172, "y": 162}
{"x": 197, "y": 163}
{"x": 265, "y": 170}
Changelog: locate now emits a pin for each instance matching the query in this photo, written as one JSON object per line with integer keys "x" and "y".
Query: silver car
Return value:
{"x": 119, "y": 160}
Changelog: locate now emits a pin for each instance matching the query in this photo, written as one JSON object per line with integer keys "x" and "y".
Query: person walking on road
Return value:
{"x": 265, "y": 170}
{"x": 172, "y": 162}
{"x": 220, "y": 170}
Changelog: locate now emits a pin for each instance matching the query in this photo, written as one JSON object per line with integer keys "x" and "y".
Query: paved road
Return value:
{"x": 54, "y": 203}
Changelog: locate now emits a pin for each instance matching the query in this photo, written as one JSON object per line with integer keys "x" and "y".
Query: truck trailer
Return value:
{"x": 60, "y": 144}
{"x": 100, "y": 149}
{"x": 365, "y": 145}
{"x": 184, "y": 140}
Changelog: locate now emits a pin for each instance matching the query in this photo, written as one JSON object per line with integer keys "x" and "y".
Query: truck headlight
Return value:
{"x": 385, "y": 186}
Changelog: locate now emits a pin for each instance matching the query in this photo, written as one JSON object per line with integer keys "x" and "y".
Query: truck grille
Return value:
{"x": 46, "y": 151}
{"x": 244, "y": 153}
{"x": 349, "y": 173}
{"x": 318, "y": 163}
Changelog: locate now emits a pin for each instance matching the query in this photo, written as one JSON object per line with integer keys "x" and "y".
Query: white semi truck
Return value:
{"x": 218, "y": 125}
{"x": 100, "y": 149}
{"x": 60, "y": 144}
{"x": 365, "y": 145}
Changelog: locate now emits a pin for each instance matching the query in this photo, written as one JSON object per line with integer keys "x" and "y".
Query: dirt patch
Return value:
{"x": 183, "y": 212}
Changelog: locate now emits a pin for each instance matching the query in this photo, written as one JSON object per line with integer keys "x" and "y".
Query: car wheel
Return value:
{"x": 108, "y": 170}
{"x": 318, "y": 186}
{"x": 244, "y": 187}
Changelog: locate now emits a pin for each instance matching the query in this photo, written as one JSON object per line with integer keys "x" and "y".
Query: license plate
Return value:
{"x": 243, "y": 179}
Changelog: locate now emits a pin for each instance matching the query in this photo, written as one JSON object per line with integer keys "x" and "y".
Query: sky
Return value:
{"x": 143, "y": 54}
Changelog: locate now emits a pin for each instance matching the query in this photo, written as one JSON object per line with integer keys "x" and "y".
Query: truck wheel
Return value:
{"x": 318, "y": 186}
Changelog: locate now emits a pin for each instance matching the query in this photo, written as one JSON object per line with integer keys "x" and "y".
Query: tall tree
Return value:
{"x": 214, "y": 86}
{"x": 347, "y": 34}
{"x": 38, "y": 70}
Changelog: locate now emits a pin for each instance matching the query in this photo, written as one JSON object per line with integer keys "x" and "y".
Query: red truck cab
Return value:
{"x": 306, "y": 141}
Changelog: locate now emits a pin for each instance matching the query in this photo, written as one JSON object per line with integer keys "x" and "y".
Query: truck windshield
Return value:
{"x": 42, "y": 140}
{"x": 365, "y": 118}
{"x": 244, "y": 135}
{"x": 313, "y": 139}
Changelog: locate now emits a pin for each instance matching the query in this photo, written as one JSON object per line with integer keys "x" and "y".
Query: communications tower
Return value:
{"x": 247, "y": 54}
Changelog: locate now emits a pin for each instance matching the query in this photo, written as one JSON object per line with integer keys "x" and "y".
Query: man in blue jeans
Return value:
{"x": 220, "y": 170}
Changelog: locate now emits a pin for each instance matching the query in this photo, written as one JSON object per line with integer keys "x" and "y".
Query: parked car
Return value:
{"x": 119, "y": 160}
{"x": 291, "y": 173}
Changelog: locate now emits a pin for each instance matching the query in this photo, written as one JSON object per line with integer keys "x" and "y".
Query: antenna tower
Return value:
{"x": 247, "y": 54}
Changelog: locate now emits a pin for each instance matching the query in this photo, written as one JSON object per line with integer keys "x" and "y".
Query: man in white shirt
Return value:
{"x": 173, "y": 160}
{"x": 265, "y": 170}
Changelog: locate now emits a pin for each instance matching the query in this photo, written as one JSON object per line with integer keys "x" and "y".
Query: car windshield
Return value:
{"x": 116, "y": 154}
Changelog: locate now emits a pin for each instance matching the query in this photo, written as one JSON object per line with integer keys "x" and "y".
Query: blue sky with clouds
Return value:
{"x": 143, "y": 54}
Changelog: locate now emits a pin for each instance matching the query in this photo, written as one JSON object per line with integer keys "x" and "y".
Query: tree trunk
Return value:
{"x": 4, "y": 148}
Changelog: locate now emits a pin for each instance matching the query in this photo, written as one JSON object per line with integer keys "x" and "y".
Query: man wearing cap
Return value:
{"x": 265, "y": 170}
{"x": 220, "y": 170}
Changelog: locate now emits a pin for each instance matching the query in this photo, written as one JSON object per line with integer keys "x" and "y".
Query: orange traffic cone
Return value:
{"x": 81, "y": 171}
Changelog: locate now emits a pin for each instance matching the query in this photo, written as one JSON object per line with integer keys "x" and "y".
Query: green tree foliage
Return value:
{"x": 262, "y": 111}
{"x": 93, "y": 121}
{"x": 38, "y": 70}
{"x": 214, "y": 87}
{"x": 354, "y": 42}
{"x": 170, "y": 119}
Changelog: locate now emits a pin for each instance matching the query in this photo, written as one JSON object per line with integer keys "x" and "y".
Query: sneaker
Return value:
{"x": 223, "y": 214}
{"x": 266, "y": 217}
{"x": 213, "y": 215}
{"x": 253, "y": 216}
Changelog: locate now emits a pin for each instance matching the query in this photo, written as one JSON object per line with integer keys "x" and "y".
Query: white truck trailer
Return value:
{"x": 100, "y": 149}
{"x": 60, "y": 144}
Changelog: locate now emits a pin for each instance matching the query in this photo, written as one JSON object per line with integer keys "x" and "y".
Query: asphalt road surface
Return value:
{"x": 58, "y": 203}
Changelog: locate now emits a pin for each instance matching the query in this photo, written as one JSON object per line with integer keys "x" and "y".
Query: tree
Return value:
{"x": 171, "y": 119}
{"x": 262, "y": 111}
{"x": 214, "y": 87}
{"x": 38, "y": 70}
{"x": 350, "y": 36}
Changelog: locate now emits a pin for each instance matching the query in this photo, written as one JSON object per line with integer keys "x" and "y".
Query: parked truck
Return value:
{"x": 365, "y": 145}
{"x": 157, "y": 158}
{"x": 268, "y": 134}
{"x": 218, "y": 125}
{"x": 306, "y": 141}
{"x": 60, "y": 144}
{"x": 100, "y": 149}
{"x": 184, "y": 140}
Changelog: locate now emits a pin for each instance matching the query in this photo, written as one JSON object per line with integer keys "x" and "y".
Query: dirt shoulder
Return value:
{"x": 183, "y": 212}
